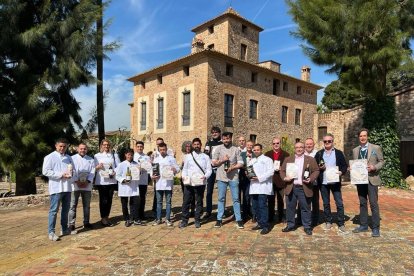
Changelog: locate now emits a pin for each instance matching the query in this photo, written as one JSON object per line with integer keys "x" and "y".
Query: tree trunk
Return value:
{"x": 99, "y": 75}
{"x": 25, "y": 182}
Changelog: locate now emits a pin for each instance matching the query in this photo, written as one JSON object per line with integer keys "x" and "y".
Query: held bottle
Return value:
{"x": 128, "y": 176}
{"x": 306, "y": 173}
{"x": 110, "y": 171}
{"x": 70, "y": 169}
{"x": 226, "y": 165}
{"x": 321, "y": 163}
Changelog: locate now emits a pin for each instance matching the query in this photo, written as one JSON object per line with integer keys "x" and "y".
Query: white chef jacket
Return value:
{"x": 163, "y": 184}
{"x": 83, "y": 164}
{"x": 126, "y": 189}
{"x": 109, "y": 159}
{"x": 263, "y": 167}
{"x": 54, "y": 166}
{"x": 191, "y": 167}
{"x": 143, "y": 179}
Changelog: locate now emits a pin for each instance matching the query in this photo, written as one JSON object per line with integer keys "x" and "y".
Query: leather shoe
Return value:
{"x": 288, "y": 229}
{"x": 360, "y": 229}
{"x": 308, "y": 231}
{"x": 264, "y": 231}
{"x": 375, "y": 233}
{"x": 257, "y": 227}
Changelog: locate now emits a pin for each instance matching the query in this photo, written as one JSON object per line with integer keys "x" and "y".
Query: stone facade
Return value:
{"x": 189, "y": 93}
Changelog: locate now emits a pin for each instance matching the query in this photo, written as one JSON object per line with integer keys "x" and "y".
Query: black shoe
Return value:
{"x": 240, "y": 224}
{"x": 138, "y": 222}
{"x": 218, "y": 224}
{"x": 308, "y": 231}
{"x": 264, "y": 231}
{"x": 87, "y": 226}
{"x": 288, "y": 229}
{"x": 183, "y": 224}
{"x": 207, "y": 215}
{"x": 360, "y": 229}
{"x": 128, "y": 223}
{"x": 257, "y": 227}
{"x": 191, "y": 214}
{"x": 108, "y": 224}
{"x": 72, "y": 228}
{"x": 197, "y": 224}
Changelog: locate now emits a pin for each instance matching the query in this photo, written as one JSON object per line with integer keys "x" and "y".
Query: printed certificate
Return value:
{"x": 359, "y": 171}
{"x": 197, "y": 179}
{"x": 331, "y": 174}
{"x": 135, "y": 172}
{"x": 146, "y": 165}
{"x": 276, "y": 165}
{"x": 292, "y": 170}
{"x": 167, "y": 173}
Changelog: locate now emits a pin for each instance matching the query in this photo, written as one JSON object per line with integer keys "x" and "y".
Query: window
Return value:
{"x": 160, "y": 119}
{"x": 298, "y": 113}
{"x": 322, "y": 131}
{"x": 159, "y": 78}
{"x": 276, "y": 86}
{"x": 211, "y": 46}
{"x": 253, "y": 138}
{"x": 229, "y": 70}
{"x": 284, "y": 114}
{"x": 243, "y": 52}
{"x": 299, "y": 90}
{"x": 285, "y": 86}
{"x": 211, "y": 29}
{"x": 186, "y": 70}
{"x": 143, "y": 84}
{"x": 143, "y": 123}
{"x": 254, "y": 77}
{"x": 228, "y": 110}
{"x": 244, "y": 28}
{"x": 253, "y": 109}
{"x": 186, "y": 107}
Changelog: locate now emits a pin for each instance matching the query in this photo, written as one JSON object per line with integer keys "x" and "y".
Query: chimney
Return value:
{"x": 305, "y": 73}
{"x": 197, "y": 45}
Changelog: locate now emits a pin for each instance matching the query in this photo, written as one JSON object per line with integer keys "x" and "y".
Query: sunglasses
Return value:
{"x": 327, "y": 141}
{"x": 276, "y": 143}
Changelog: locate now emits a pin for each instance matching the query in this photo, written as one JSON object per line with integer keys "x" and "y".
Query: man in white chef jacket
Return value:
{"x": 196, "y": 171}
{"x": 164, "y": 182}
{"x": 84, "y": 168}
{"x": 58, "y": 167}
{"x": 145, "y": 162}
{"x": 261, "y": 187}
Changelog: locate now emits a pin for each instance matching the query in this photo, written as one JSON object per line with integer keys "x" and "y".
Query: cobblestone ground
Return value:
{"x": 162, "y": 250}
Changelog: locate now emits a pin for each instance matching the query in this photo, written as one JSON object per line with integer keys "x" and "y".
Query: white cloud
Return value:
{"x": 278, "y": 28}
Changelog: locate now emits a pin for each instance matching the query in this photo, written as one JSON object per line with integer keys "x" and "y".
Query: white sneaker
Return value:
{"x": 169, "y": 223}
{"x": 53, "y": 236}
{"x": 342, "y": 229}
{"x": 328, "y": 226}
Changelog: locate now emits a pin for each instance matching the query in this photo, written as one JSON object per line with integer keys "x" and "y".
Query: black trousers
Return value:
{"x": 244, "y": 185}
{"x": 106, "y": 192}
{"x": 279, "y": 194}
{"x": 370, "y": 192}
{"x": 133, "y": 206}
{"x": 193, "y": 192}
{"x": 192, "y": 199}
{"x": 142, "y": 199}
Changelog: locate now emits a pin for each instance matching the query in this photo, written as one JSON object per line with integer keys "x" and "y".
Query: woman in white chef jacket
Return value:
{"x": 127, "y": 174}
{"x": 106, "y": 162}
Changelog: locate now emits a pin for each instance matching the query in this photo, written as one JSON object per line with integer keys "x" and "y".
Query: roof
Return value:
{"x": 212, "y": 53}
{"x": 230, "y": 12}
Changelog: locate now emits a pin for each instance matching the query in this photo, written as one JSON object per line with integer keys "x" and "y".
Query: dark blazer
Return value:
{"x": 314, "y": 173}
{"x": 340, "y": 162}
{"x": 277, "y": 180}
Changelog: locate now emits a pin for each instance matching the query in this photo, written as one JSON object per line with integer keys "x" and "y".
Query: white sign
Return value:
{"x": 359, "y": 171}
{"x": 292, "y": 170}
{"x": 167, "y": 173}
{"x": 135, "y": 172}
{"x": 276, "y": 165}
{"x": 332, "y": 174}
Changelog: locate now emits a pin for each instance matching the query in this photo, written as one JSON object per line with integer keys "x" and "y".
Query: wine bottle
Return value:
{"x": 110, "y": 171}
{"x": 226, "y": 165}
{"x": 70, "y": 169}
{"x": 306, "y": 173}
{"x": 128, "y": 176}
{"x": 321, "y": 163}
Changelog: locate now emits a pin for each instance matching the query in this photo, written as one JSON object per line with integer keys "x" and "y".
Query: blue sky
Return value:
{"x": 152, "y": 33}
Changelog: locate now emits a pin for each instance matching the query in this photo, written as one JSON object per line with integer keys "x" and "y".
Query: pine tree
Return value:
{"x": 361, "y": 41}
{"x": 47, "y": 48}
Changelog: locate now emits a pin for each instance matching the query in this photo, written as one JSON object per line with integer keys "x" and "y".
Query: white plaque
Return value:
{"x": 359, "y": 171}
{"x": 292, "y": 170}
{"x": 105, "y": 171}
{"x": 146, "y": 165}
{"x": 197, "y": 179}
{"x": 135, "y": 172}
{"x": 167, "y": 173}
{"x": 332, "y": 174}
{"x": 276, "y": 165}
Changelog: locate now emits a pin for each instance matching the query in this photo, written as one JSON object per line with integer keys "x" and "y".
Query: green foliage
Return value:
{"x": 340, "y": 96}
{"x": 401, "y": 77}
{"x": 383, "y": 132}
{"x": 288, "y": 146}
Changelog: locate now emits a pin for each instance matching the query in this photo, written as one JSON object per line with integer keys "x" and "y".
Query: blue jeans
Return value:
{"x": 55, "y": 200}
{"x": 298, "y": 195}
{"x": 221, "y": 204}
{"x": 337, "y": 194}
{"x": 168, "y": 195}
{"x": 261, "y": 211}
{"x": 86, "y": 202}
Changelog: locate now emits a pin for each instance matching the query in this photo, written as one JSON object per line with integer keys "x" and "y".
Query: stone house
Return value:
{"x": 222, "y": 83}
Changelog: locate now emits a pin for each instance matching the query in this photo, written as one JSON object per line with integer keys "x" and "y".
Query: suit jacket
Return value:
{"x": 276, "y": 179}
{"x": 340, "y": 162}
{"x": 375, "y": 157}
{"x": 314, "y": 173}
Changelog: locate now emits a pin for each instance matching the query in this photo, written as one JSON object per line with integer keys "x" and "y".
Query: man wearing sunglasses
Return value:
{"x": 328, "y": 158}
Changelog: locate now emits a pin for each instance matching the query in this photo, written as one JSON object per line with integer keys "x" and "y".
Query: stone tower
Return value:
{"x": 232, "y": 35}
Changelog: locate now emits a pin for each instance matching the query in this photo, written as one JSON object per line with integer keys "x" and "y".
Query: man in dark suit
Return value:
{"x": 278, "y": 155}
{"x": 375, "y": 158}
{"x": 328, "y": 158}
{"x": 299, "y": 187}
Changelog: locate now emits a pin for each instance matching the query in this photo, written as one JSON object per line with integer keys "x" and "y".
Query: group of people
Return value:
{"x": 256, "y": 180}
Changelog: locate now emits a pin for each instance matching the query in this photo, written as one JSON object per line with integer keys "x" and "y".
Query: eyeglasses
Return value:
{"x": 327, "y": 141}
{"x": 276, "y": 143}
